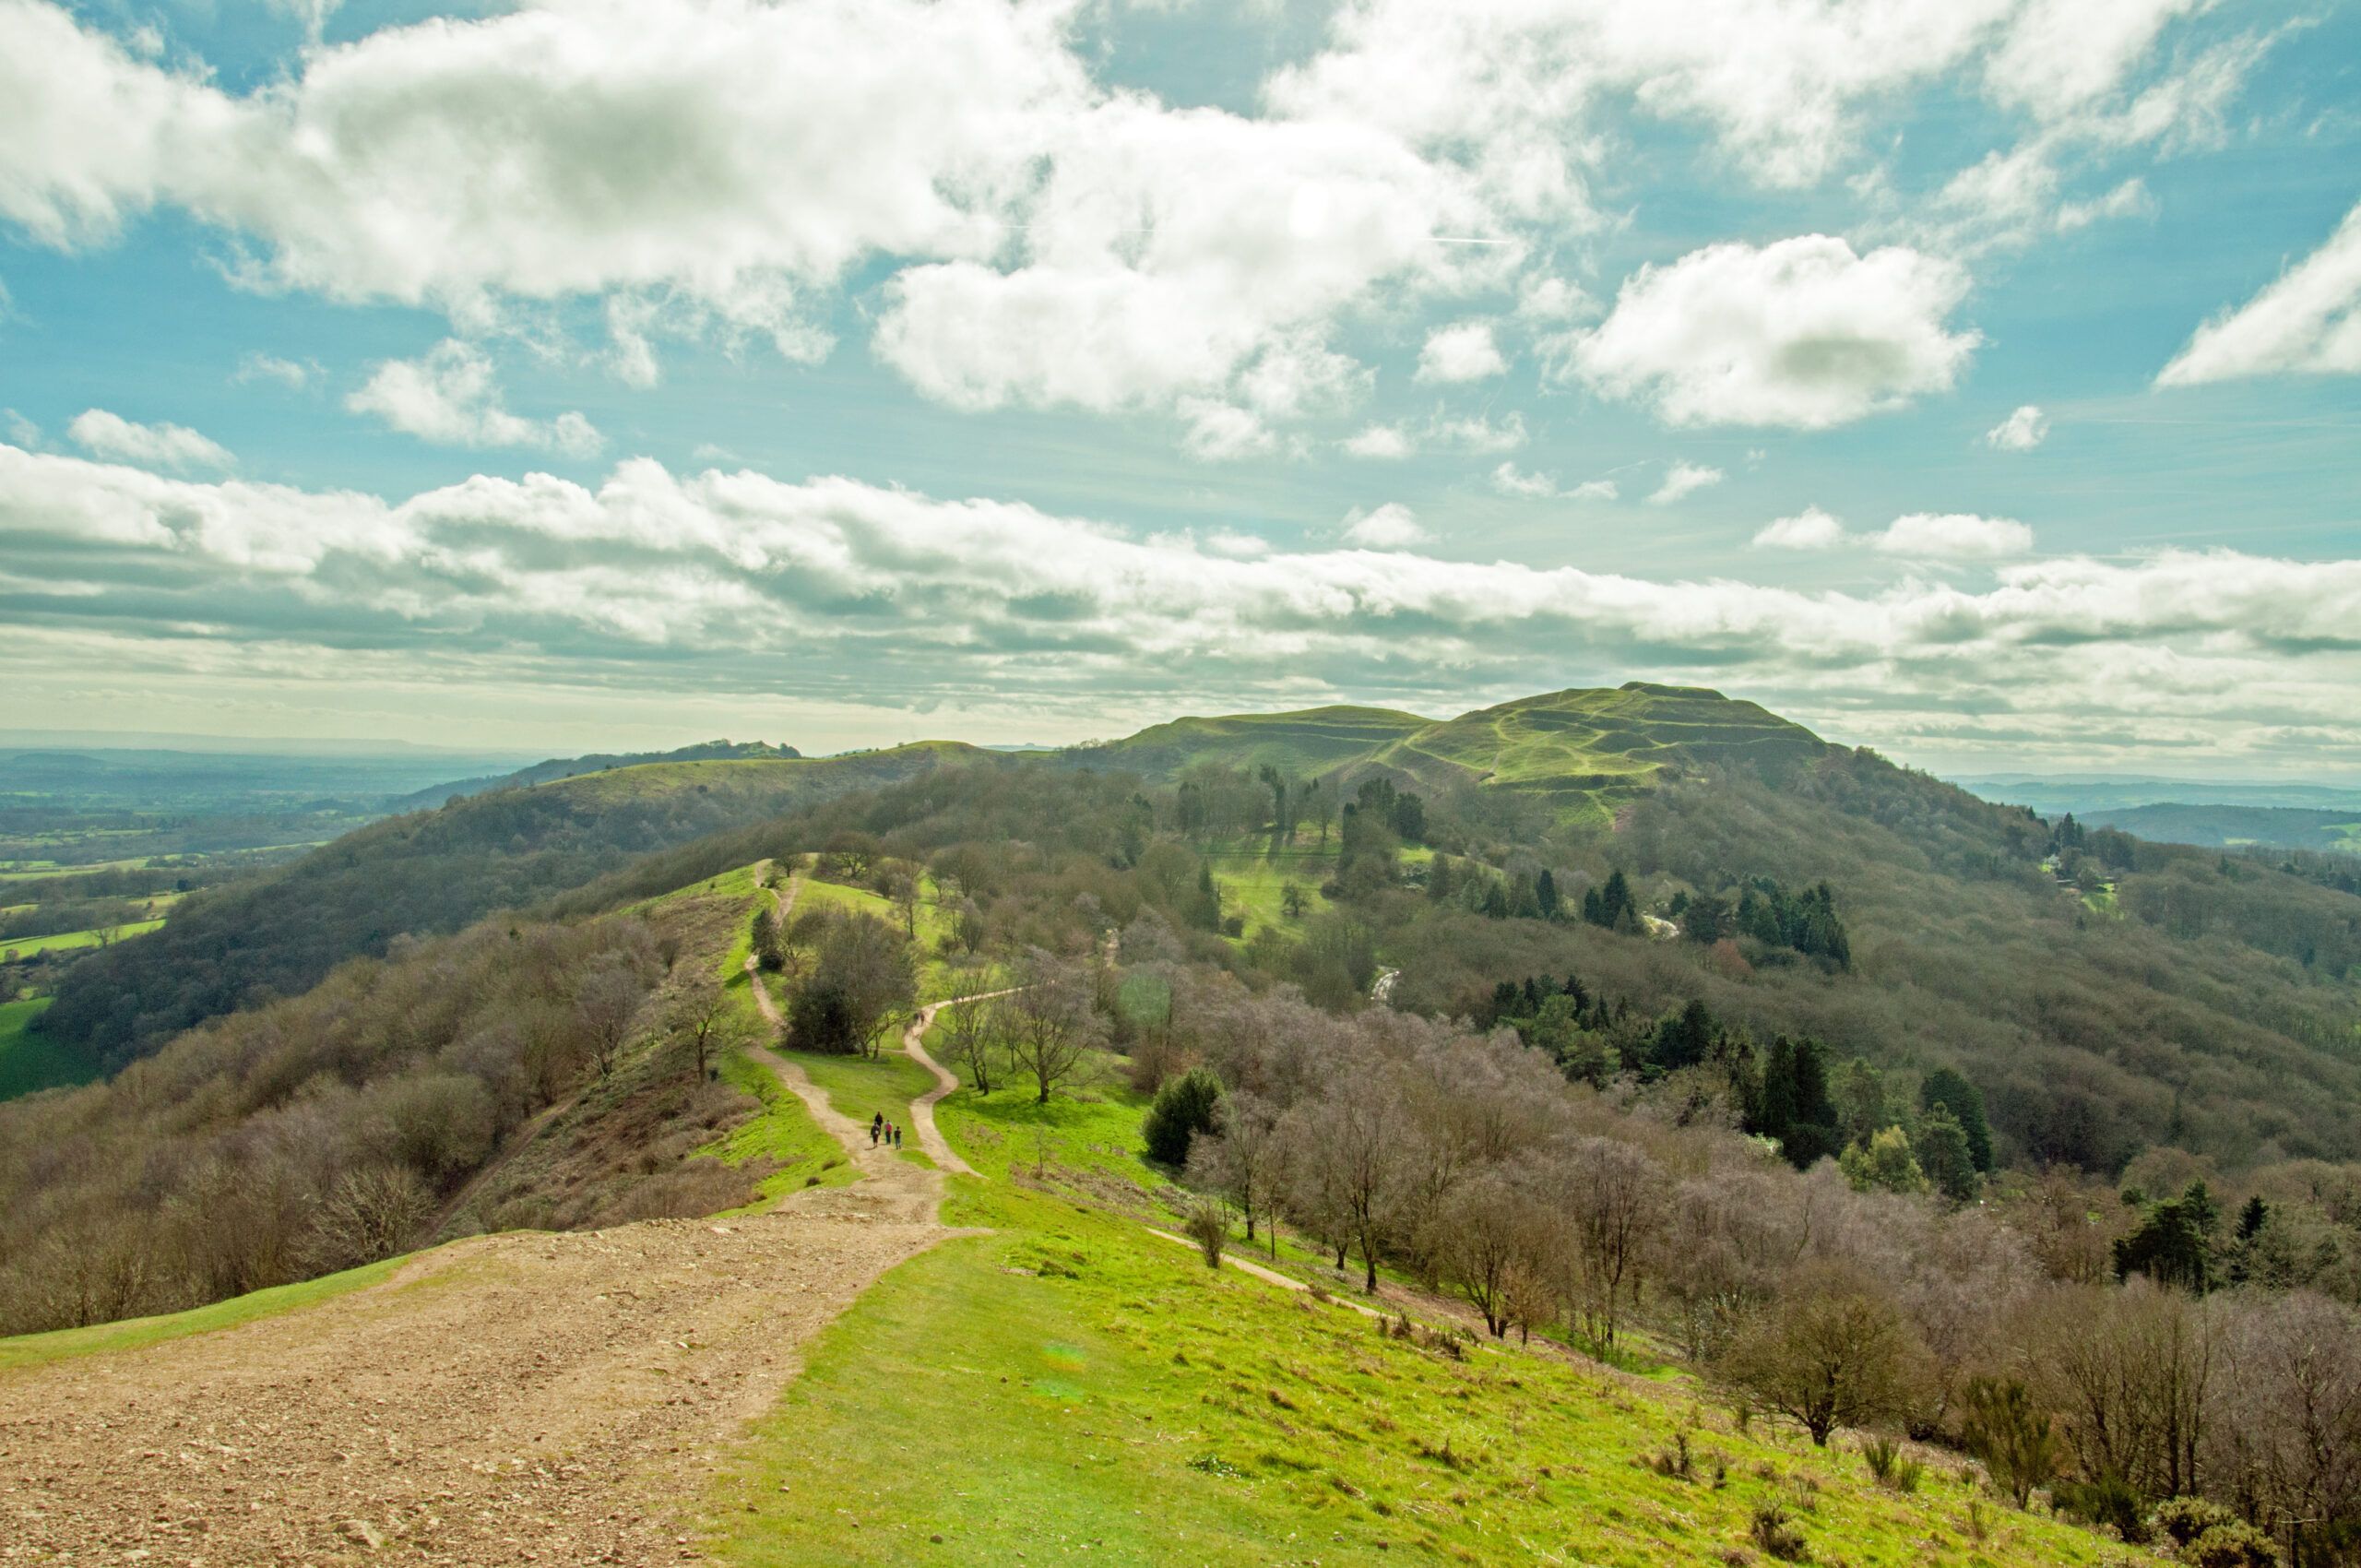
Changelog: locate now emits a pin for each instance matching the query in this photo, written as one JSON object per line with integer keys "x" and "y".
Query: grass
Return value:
{"x": 783, "y": 1133}
{"x": 132, "y": 1333}
{"x": 1254, "y": 878}
{"x": 863, "y": 1086}
{"x": 26, "y": 947}
{"x": 1069, "y": 1384}
{"x": 31, "y": 1060}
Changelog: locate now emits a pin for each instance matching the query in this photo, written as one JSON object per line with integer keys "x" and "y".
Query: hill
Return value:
{"x": 425, "y": 874}
{"x": 1580, "y": 753}
{"x": 1308, "y": 742}
{"x": 2226, "y": 827}
{"x": 555, "y": 768}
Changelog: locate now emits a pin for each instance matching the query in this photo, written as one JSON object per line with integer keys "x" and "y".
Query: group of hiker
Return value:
{"x": 884, "y": 1132}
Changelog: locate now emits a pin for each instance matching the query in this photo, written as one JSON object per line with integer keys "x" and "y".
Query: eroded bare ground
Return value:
{"x": 523, "y": 1399}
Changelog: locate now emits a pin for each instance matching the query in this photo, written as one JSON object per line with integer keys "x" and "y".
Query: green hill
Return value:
{"x": 1309, "y": 741}
{"x": 427, "y": 874}
{"x": 1583, "y": 752}
{"x": 557, "y": 768}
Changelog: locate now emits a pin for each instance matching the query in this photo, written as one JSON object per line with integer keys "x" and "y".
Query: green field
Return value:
{"x": 31, "y": 1060}
{"x": 1254, "y": 878}
{"x": 783, "y": 1133}
{"x": 1070, "y": 1387}
{"x": 26, "y": 947}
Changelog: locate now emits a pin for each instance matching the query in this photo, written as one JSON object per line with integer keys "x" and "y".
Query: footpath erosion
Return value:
{"x": 523, "y": 1399}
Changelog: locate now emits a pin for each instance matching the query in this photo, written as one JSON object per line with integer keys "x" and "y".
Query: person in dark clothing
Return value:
{"x": 876, "y": 1128}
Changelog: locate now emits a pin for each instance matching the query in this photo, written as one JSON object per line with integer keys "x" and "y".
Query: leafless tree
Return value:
{"x": 2131, "y": 1370}
{"x": 972, "y": 1040}
{"x": 372, "y": 1213}
{"x": 2285, "y": 1445}
{"x": 1354, "y": 1138}
{"x": 1049, "y": 1024}
{"x": 700, "y": 1013}
{"x": 605, "y": 1000}
{"x": 1611, "y": 1195}
{"x": 1831, "y": 1351}
{"x": 1488, "y": 1230}
{"x": 1245, "y": 1161}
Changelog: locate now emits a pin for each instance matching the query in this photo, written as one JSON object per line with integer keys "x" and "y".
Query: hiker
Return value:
{"x": 897, "y": 1135}
{"x": 876, "y": 1127}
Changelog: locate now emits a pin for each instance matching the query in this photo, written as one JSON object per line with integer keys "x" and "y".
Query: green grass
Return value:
{"x": 31, "y": 1060}
{"x": 1302, "y": 745}
{"x": 26, "y": 947}
{"x": 862, "y": 1086}
{"x": 1069, "y": 1385}
{"x": 783, "y": 1133}
{"x": 1254, "y": 877}
{"x": 132, "y": 1333}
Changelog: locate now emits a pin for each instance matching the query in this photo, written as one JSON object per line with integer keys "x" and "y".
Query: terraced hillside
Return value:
{"x": 1310, "y": 740}
{"x": 1584, "y": 751}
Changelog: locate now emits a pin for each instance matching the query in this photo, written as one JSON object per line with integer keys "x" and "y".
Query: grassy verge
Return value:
{"x": 1069, "y": 1384}
{"x": 132, "y": 1333}
{"x": 30, "y": 1060}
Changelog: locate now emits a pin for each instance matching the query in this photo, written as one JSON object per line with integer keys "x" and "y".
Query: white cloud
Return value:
{"x": 149, "y": 446}
{"x": 746, "y": 583}
{"x": 1477, "y": 432}
{"x": 1463, "y": 352}
{"x": 1954, "y": 536}
{"x": 2129, "y": 199}
{"x": 1683, "y": 478}
{"x": 1547, "y": 299}
{"x": 1390, "y": 527}
{"x": 1811, "y": 528}
{"x": 1385, "y": 442}
{"x": 2306, "y": 323}
{"x": 1801, "y": 332}
{"x": 22, "y": 432}
{"x": 1510, "y": 479}
{"x": 2023, "y": 431}
{"x": 1220, "y": 432}
{"x": 257, "y": 366}
{"x": 451, "y": 397}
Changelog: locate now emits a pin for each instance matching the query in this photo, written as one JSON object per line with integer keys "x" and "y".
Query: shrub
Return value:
{"x": 1879, "y": 1453}
{"x": 2105, "y": 1500}
{"x": 1209, "y": 1228}
{"x": 2232, "y": 1545}
{"x": 1184, "y": 1107}
{"x": 1776, "y": 1536}
{"x": 2013, "y": 1438}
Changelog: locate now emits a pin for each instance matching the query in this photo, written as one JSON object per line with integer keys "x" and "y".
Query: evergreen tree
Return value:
{"x": 1941, "y": 1147}
{"x": 1683, "y": 1039}
{"x": 1545, "y": 895}
{"x": 1947, "y": 1088}
{"x": 1184, "y": 1107}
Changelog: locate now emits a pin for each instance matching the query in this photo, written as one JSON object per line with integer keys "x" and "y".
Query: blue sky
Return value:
{"x": 592, "y": 375}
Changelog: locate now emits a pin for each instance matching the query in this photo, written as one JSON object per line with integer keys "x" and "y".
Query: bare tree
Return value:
{"x": 972, "y": 1040}
{"x": 605, "y": 1000}
{"x": 1831, "y": 1352}
{"x": 1354, "y": 1136}
{"x": 2131, "y": 1369}
{"x": 372, "y": 1213}
{"x": 2285, "y": 1441}
{"x": 1049, "y": 1023}
{"x": 1487, "y": 1233}
{"x": 1245, "y": 1161}
{"x": 700, "y": 1013}
{"x": 1611, "y": 1195}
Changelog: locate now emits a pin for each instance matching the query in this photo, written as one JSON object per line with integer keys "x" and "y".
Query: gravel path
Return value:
{"x": 523, "y": 1399}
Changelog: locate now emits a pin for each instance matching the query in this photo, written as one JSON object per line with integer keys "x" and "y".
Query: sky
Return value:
{"x": 1977, "y": 380}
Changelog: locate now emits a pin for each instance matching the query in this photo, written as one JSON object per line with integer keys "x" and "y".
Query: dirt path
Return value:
{"x": 523, "y": 1399}
{"x": 922, "y": 1109}
{"x": 1248, "y": 1265}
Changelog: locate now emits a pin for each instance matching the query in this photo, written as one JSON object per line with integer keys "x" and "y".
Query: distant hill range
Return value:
{"x": 2214, "y": 814}
{"x": 571, "y": 767}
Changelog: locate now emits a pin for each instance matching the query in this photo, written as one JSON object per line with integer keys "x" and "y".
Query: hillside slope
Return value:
{"x": 554, "y": 769}
{"x": 429, "y": 872}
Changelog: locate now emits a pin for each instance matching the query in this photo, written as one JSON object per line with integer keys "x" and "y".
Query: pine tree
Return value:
{"x": 1947, "y": 1088}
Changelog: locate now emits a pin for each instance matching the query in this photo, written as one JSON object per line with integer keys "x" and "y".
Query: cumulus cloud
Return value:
{"x": 1390, "y": 527}
{"x": 1463, "y": 352}
{"x": 1811, "y": 528}
{"x": 2023, "y": 431}
{"x": 1479, "y": 433}
{"x": 1684, "y": 479}
{"x": 1220, "y": 432}
{"x": 835, "y": 587}
{"x": 151, "y": 445}
{"x": 1801, "y": 332}
{"x": 1954, "y": 536}
{"x": 450, "y": 396}
{"x": 1385, "y": 442}
{"x": 2309, "y": 322}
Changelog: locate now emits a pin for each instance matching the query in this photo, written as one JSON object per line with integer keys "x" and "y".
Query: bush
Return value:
{"x": 2105, "y": 1500}
{"x": 1184, "y": 1107}
{"x": 1776, "y": 1536}
{"x": 2015, "y": 1440}
{"x": 2234, "y": 1545}
{"x": 1209, "y": 1228}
